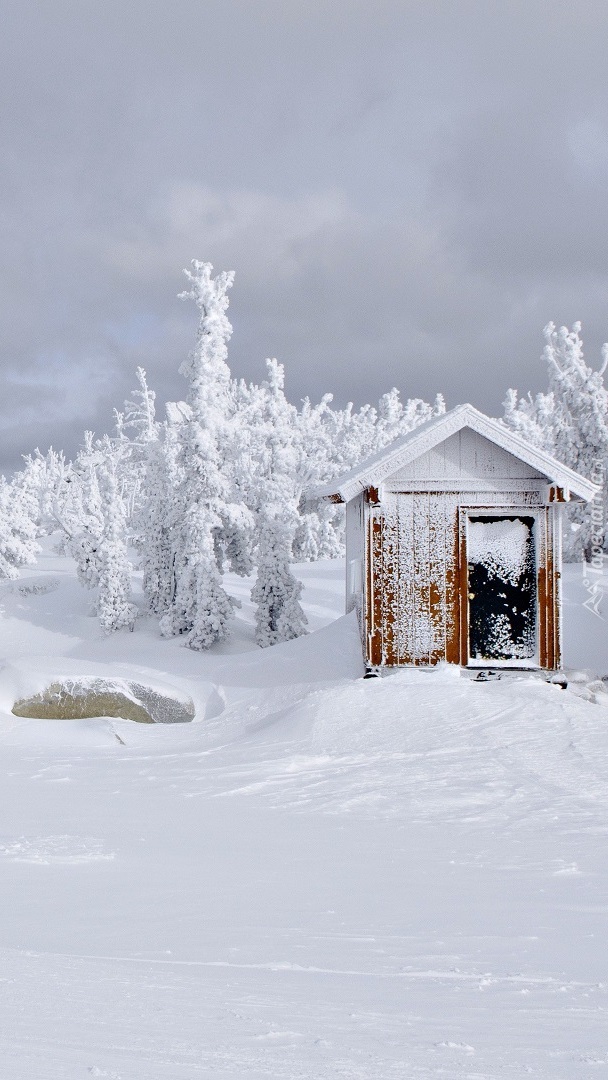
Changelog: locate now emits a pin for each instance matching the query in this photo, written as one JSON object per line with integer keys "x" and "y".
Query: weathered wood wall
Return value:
{"x": 414, "y": 572}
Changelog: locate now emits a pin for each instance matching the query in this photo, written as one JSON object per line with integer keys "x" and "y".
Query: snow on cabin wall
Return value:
{"x": 415, "y": 578}
{"x": 417, "y": 610}
{"x": 502, "y": 546}
{"x": 465, "y": 456}
{"x": 355, "y": 553}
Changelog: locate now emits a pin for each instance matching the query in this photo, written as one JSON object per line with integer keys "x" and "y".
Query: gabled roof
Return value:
{"x": 376, "y": 468}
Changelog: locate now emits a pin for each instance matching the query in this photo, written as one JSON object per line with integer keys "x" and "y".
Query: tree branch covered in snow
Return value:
{"x": 571, "y": 422}
{"x": 223, "y": 481}
{"x": 200, "y": 607}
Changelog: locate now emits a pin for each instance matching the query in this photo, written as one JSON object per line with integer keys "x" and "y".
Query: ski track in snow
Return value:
{"x": 53, "y": 849}
{"x": 329, "y": 878}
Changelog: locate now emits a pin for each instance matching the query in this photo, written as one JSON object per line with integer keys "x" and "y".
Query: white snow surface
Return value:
{"x": 320, "y": 877}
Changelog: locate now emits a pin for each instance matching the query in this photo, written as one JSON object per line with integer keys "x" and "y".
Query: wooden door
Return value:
{"x": 413, "y": 580}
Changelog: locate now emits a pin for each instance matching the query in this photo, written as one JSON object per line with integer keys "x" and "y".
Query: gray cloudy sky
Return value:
{"x": 407, "y": 192}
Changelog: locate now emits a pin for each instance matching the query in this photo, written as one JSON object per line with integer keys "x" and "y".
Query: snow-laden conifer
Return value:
{"x": 156, "y": 523}
{"x": 200, "y": 606}
{"x": 533, "y": 418}
{"x": 273, "y": 492}
{"x": 570, "y": 421}
{"x": 320, "y": 530}
{"x": 581, "y": 427}
{"x": 18, "y": 513}
{"x": 150, "y": 483}
{"x": 79, "y": 513}
{"x": 114, "y": 606}
{"x": 581, "y": 399}
{"x": 276, "y": 593}
{"x": 397, "y": 418}
{"x": 333, "y": 441}
{"x": 140, "y": 412}
{"x": 46, "y": 477}
{"x": 136, "y": 430}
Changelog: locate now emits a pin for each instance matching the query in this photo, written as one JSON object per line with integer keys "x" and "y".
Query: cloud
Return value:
{"x": 407, "y": 193}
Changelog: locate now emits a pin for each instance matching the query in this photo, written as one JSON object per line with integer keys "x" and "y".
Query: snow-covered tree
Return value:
{"x": 571, "y": 421}
{"x": 47, "y": 478}
{"x": 79, "y": 513}
{"x": 155, "y": 522}
{"x": 334, "y": 441}
{"x": 276, "y": 593}
{"x": 18, "y": 513}
{"x": 320, "y": 531}
{"x": 581, "y": 399}
{"x": 136, "y": 430}
{"x": 270, "y": 487}
{"x": 581, "y": 425}
{"x": 89, "y": 509}
{"x": 532, "y": 418}
{"x": 200, "y": 607}
{"x": 140, "y": 413}
{"x": 225, "y": 478}
{"x": 396, "y": 418}
{"x": 114, "y": 606}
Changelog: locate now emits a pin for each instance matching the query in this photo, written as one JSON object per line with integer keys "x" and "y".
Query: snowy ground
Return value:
{"x": 322, "y": 877}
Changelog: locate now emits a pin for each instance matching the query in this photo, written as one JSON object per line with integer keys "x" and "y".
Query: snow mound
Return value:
{"x": 38, "y": 585}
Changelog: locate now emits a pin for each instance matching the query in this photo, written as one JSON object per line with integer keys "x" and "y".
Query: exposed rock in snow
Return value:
{"x": 77, "y": 699}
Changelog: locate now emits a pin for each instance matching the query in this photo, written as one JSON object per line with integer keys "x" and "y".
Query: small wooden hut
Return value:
{"x": 453, "y": 546}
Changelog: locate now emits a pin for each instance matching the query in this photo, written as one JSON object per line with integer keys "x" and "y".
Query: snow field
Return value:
{"x": 320, "y": 877}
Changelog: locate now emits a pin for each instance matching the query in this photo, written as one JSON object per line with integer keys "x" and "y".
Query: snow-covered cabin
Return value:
{"x": 453, "y": 546}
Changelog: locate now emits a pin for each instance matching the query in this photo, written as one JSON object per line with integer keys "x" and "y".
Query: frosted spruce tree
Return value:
{"x": 114, "y": 606}
{"x": 136, "y": 429}
{"x": 334, "y": 440}
{"x": 581, "y": 427}
{"x": 79, "y": 514}
{"x": 200, "y": 608}
{"x": 532, "y": 418}
{"x": 156, "y": 522}
{"x": 570, "y": 421}
{"x": 47, "y": 478}
{"x": 18, "y": 525}
{"x": 273, "y": 496}
{"x": 139, "y": 416}
{"x": 89, "y": 508}
{"x": 151, "y": 481}
{"x": 320, "y": 531}
{"x": 277, "y": 592}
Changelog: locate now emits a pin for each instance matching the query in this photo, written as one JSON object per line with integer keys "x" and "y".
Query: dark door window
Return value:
{"x": 502, "y": 589}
